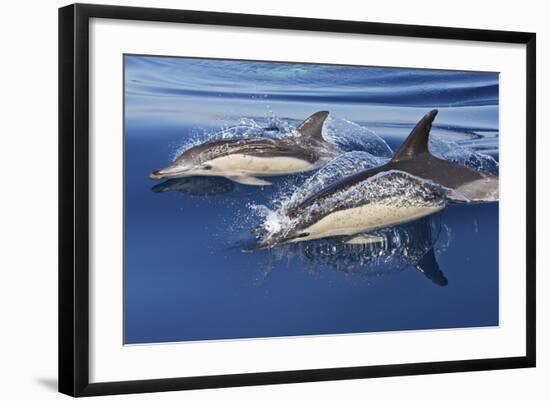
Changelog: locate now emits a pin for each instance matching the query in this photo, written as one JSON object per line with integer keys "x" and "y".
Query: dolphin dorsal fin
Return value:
{"x": 312, "y": 126}
{"x": 417, "y": 141}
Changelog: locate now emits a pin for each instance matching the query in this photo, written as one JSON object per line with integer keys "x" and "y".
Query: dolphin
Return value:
{"x": 413, "y": 184}
{"x": 243, "y": 160}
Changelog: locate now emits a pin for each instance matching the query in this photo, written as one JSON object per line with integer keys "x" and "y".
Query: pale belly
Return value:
{"x": 258, "y": 166}
{"x": 365, "y": 218}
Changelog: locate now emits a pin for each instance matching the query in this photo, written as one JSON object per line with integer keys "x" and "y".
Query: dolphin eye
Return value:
{"x": 206, "y": 167}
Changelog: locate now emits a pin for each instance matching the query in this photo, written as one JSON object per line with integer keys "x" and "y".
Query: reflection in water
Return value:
{"x": 388, "y": 251}
{"x": 196, "y": 186}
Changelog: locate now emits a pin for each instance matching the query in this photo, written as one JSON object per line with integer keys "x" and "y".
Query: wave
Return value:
{"x": 234, "y": 79}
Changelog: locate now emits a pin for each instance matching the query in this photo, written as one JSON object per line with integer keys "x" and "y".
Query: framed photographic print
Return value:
{"x": 249, "y": 199}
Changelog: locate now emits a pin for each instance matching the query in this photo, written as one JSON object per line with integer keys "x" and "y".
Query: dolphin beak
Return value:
{"x": 168, "y": 172}
{"x": 156, "y": 175}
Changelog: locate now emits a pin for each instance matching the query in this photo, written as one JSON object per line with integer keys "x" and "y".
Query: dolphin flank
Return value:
{"x": 413, "y": 184}
{"x": 243, "y": 160}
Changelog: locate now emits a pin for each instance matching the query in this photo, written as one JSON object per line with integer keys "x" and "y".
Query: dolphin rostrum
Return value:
{"x": 413, "y": 184}
{"x": 243, "y": 160}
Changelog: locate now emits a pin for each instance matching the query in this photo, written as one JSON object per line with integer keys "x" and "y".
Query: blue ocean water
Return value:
{"x": 185, "y": 274}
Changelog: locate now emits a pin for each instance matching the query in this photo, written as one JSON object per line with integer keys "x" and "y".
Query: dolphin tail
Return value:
{"x": 417, "y": 141}
{"x": 430, "y": 268}
{"x": 312, "y": 127}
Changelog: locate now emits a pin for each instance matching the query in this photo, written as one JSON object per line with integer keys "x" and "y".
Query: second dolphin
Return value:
{"x": 243, "y": 160}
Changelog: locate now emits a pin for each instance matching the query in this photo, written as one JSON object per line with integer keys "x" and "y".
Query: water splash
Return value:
{"x": 349, "y": 136}
{"x": 468, "y": 157}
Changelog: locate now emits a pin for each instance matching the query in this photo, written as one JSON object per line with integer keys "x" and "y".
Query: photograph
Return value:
{"x": 275, "y": 201}
{"x": 268, "y": 199}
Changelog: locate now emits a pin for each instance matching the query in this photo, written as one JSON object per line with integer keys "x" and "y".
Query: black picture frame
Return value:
{"x": 74, "y": 198}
